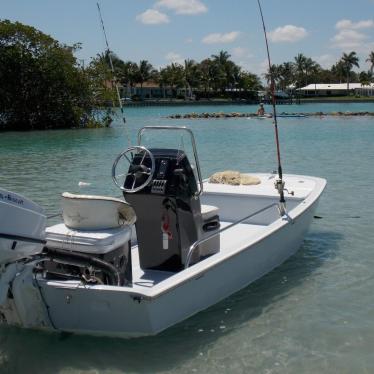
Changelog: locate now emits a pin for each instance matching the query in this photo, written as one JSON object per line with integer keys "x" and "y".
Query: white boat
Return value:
{"x": 193, "y": 244}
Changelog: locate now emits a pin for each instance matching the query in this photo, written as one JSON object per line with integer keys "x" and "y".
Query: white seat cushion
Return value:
{"x": 87, "y": 212}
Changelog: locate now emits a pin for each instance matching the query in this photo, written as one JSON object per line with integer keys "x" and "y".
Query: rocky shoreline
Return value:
{"x": 254, "y": 115}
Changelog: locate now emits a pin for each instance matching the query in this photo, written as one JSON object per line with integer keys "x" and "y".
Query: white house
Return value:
{"x": 336, "y": 89}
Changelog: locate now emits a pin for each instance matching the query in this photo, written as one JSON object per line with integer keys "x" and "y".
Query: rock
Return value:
{"x": 207, "y": 115}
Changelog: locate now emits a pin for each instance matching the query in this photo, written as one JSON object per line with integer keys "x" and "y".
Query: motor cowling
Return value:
{"x": 22, "y": 228}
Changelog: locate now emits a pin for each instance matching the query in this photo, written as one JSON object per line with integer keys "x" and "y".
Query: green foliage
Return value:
{"x": 42, "y": 87}
{"x": 173, "y": 76}
{"x": 218, "y": 76}
{"x": 370, "y": 59}
{"x": 101, "y": 81}
{"x": 212, "y": 77}
{"x": 304, "y": 71}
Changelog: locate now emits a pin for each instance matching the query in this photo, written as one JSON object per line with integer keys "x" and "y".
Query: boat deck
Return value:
{"x": 234, "y": 203}
{"x": 231, "y": 239}
{"x": 300, "y": 185}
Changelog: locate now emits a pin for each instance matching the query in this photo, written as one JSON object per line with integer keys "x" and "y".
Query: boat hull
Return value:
{"x": 158, "y": 300}
{"x": 112, "y": 312}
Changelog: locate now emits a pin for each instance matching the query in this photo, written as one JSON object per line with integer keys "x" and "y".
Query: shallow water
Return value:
{"x": 315, "y": 313}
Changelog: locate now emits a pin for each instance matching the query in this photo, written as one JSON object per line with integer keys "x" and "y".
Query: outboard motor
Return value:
{"x": 168, "y": 208}
{"x": 22, "y": 230}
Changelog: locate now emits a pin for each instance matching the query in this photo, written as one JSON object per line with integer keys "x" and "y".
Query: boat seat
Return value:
{"x": 91, "y": 212}
{"x": 208, "y": 211}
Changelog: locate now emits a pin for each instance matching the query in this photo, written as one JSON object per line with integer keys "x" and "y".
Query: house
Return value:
{"x": 336, "y": 89}
{"x": 151, "y": 90}
{"x": 147, "y": 90}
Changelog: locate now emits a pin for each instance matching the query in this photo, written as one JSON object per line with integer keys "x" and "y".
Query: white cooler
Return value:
{"x": 96, "y": 242}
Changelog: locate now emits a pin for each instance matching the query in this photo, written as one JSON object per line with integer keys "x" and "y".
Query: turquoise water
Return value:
{"x": 315, "y": 313}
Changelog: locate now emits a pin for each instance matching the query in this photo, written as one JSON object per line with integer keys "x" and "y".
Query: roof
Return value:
{"x": 334, "y": 86}
{"x": 148, "y": 84}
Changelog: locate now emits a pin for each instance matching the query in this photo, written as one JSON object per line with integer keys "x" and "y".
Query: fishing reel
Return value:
{"x": 279, "y": 186}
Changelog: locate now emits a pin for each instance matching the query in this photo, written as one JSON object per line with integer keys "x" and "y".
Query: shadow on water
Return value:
{"x": 57, "y": 353}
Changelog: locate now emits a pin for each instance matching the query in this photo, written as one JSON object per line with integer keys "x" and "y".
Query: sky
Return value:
{"x": 164, "y": 31}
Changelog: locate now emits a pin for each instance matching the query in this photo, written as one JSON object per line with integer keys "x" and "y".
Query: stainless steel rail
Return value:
{"x": 180, "y": 128}
{"x": 203, "y": 240}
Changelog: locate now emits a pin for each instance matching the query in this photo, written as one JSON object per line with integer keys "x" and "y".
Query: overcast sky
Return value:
{"x": 164, "y": 31}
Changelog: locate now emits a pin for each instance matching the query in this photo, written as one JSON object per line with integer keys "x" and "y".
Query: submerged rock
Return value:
{"x": 206, "y": 115}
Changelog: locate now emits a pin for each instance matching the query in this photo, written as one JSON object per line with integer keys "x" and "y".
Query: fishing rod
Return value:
{"x": 113, "y": 73}
{"x": 279, "y": 184}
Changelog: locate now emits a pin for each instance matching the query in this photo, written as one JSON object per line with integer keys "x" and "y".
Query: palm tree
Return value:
{"x": 206, "y": 74}
{"x": 129, "y": 76}
{"x": 223, "y": 70}
{"x": 218, "y": 77}
{"x": 338, "y": 71}
{"x": 173, "y": 76}
{"x": 371, "y": 60}
{"x": 190, "y": 75}
{"x": 310, "y": 67}
{"x": 232, "y": 72}
{"x": 145, "y": 73}
{"x": 163, "y": 80}
{"x": 249, "y": 82}
{"x": 273, "y": 76}
{"x": 221, "y": 58}
{"x": 300, "y": 61}
{"x": 364, "y": 78}
{"x": 107, "y": 56}
{"x": 349, "y": 61}
{"x": 287, "y": 74}
{"x": 114, "y": 65}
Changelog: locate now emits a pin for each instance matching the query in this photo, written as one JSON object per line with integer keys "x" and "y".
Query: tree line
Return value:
{"x": 44, "y": 86}
{"x": 216, "y": 76}
{"x": 304, "y": 70}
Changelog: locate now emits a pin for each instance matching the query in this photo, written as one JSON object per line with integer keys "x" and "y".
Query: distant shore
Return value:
{"x": 181, "y": 102}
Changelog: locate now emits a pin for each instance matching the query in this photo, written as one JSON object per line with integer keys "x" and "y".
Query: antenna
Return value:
{"x": 279, "y": 184}
{"x": 113, "y": 73}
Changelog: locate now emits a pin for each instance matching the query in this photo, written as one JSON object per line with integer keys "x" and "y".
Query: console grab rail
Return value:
{"x": 203, "y": 240}
{"x": 180, "y": 128}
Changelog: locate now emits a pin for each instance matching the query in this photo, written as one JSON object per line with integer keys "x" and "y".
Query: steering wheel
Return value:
{"x": 135, "y": 171}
